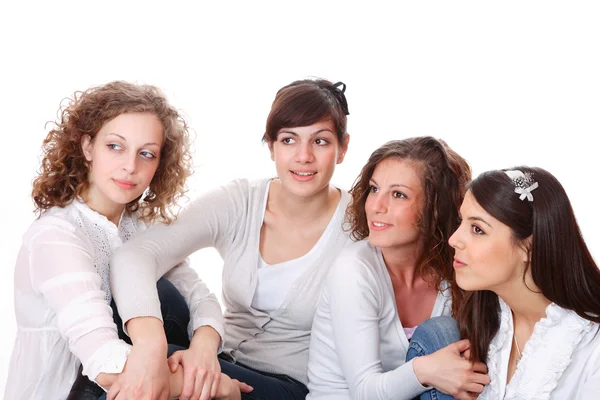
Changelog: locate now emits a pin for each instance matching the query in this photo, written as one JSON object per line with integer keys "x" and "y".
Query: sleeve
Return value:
{"x": 208, "y": 221}
{"x": 62, "y": 271}
{"x": 591, "y": 387}
{"x": 355, "y": 312}
{"x": 205, "y": 309}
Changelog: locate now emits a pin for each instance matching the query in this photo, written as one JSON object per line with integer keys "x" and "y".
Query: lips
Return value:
{"x": 379, "y": 226}
{"x": 458, "y": 264}
{"x": 124, "y": 184}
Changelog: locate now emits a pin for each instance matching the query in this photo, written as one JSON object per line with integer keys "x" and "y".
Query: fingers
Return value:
{"x": 474, "y": 388}
{"x": 193, "y": 381}
{"x": 244, "y": 388}
{"x": 112, "y": 392}
{"x": 462, "y": 345}
{"x": 481, "y": 379}
{"x": 216, "y": 383}
{"x": 479, "y": 367}
{"x": 175, "y": 360}
{"x": 205, "y": 389}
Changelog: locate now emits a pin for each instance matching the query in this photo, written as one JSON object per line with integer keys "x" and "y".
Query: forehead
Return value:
{"x": 398, "y": 171}
{"x": 138, "y": 127}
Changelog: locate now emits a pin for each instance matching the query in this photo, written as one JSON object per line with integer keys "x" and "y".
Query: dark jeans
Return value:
{"x": 176, "y": 316}
{"x": 429, "y": 337}
{"x": 266, "y": 386}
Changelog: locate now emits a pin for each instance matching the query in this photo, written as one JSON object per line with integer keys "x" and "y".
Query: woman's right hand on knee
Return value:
{"x": 447, "y": 371}
{"x": 231, "y": 389}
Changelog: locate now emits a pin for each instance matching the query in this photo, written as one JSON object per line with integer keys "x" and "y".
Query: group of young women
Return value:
{"x": 418, "y": 282}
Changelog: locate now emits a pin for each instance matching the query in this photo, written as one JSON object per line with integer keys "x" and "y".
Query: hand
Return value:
{"x": 201, "y": 368}
{"x": 447, "y": 371}
{"x": 231, "y": 389}
{"x": 145, "y": 376}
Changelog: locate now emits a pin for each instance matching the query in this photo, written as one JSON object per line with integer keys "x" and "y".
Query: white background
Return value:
{"x": 504, "y": 84}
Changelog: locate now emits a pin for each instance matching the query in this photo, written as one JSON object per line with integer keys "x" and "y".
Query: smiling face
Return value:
{"x": 486, "y": 254}
{"x": 123, "y": 158}
{"x": 305, "y": 157}
{"x": 394, "y": 204}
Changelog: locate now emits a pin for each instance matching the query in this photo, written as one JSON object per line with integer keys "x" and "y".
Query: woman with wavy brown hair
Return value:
{"x": 377, "y": 303}
{"x": 532, "y": 310}
{"x": 116, "y": 160}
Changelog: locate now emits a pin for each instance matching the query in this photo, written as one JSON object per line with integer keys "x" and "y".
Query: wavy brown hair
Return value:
{"x": 444, "y": 176}
{"x": 561, "y": 264}
{"x": 63, "y": 172}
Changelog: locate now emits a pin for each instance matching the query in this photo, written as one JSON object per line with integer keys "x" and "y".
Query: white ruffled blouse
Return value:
{"x": 561, "y": 360}
{"x": 62, "y": 302}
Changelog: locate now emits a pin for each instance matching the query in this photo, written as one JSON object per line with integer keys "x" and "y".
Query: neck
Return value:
{"x": 402, "y": 264}
{"x": 112, "y": 211}
{"x": 526, "y": 302}
{"x": 300, "y": 208}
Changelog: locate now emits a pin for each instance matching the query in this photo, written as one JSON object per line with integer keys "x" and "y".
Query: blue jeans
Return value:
{"x": 176, "y": 316}
{"x": 267, "y": 386}
{"x": 429, "y": 337}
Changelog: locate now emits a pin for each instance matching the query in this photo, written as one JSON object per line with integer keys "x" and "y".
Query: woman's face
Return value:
{"x": 394, "y": 204}
{"x": 123, "y": 158}
{"x": 306, "y": 156}
{"x": 486, "y": 255}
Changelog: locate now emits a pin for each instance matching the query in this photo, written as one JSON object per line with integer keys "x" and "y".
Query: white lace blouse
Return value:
{"x": 561, "y": 360}
{"x": 62, "y": 302}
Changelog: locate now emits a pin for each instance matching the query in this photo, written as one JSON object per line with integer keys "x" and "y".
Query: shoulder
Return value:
{"x": 358, "y": 262}
{"x": 53, "y": 223}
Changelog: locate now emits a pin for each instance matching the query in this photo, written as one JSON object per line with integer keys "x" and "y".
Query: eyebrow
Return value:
{"x": 145, "y": 144}
{"x": 393, "y": 185}
{"x": 479, "y": 219}
{"x": 312, "y": 134}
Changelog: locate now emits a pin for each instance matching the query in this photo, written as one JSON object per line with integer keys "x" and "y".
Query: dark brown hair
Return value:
{"x": 305, "y": 102}
{"x": 561, "y": 264}
{"x": 445, "y": 176}
{"x": 64, "y": 168}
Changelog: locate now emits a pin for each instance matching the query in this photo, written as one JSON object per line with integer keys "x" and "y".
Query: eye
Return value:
{"x": 114, "y": 146}
{"x": 373, "y": 189}
{"x": 399, "y": 195}
{"x": 148, "y": 155}
{"x": 477, "y": 230}
{"x": 287, "y": 140}
{"x": 321, "y": 142}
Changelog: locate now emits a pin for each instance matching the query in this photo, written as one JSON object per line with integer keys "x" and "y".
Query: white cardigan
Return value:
{"x": 62, "y": 302}
{"x": 229, "y": 218}
{"x": 561, "y": 359}
{"x": 358, "y": 346}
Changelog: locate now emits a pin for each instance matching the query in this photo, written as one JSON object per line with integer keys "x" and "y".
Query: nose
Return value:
{"x": 305, "y": 153}
{"x": 379, "y": 203}
{"x": 454, "y": 240}
{"x": 130, "y": 163}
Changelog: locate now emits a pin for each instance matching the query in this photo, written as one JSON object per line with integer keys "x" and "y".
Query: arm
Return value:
{"x": 139, "y": 263}
{"x": 62, "y": 270}
{"x": 355, "y": 322}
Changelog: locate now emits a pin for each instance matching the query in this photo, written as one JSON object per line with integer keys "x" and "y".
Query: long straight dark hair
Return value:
{"x": 561, "y": 264}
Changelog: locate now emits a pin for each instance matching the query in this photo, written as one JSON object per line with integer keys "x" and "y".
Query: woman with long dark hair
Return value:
{"x": 532, "y": 310}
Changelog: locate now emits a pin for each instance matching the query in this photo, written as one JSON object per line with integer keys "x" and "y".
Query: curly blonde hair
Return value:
{"x": 64, "y": 168}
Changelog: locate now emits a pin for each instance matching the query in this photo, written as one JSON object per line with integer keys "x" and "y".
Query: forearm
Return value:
{"x": 148, "y": 333}
{"x": 206, "y": 337}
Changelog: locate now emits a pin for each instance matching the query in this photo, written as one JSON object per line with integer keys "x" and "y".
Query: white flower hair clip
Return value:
{"x": 524, "y": 183}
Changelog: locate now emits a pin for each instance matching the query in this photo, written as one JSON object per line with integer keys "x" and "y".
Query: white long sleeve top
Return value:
{"x": 62, "y": 302}
{"x": 358, "y": 345}
{"x": 561, "y": 359}
{"x": 229, "y": 218}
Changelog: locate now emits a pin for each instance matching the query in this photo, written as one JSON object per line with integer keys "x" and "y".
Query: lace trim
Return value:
{"x": 552, "y": 343}
{"x": 104, "y": 238}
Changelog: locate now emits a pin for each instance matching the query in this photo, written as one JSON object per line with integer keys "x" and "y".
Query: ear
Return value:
{"x": 271, "y": 150}
{"x": 344, "y": 149}
{"x": 86, "y": 146}
{"x": 526, "y": 250}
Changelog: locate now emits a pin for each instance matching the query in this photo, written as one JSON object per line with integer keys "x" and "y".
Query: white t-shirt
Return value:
{"x": 275, "y": 281}
{"x": 358, "y": 345}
